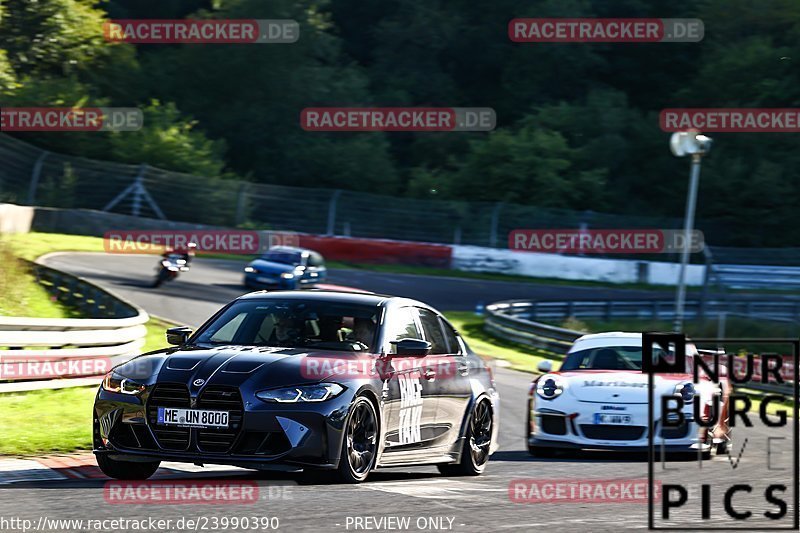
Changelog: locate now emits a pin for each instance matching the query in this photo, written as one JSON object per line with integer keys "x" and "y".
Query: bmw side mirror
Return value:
{"x": 545, "y": 366}
{"x": 178, "y": 336}
{"x": 412, "y": 347}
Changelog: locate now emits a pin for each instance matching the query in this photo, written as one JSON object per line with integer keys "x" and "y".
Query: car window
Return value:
{"x": 400, "y": 324}
{"x": 605, "y": 358}
{"x": 433, "y": 331}
{"x": 315, "y": 260}
{"x": 285, "y": 258}
{"x": 294, "y": 323}
{"x": 454, "y": 346}
{"x": 226, "y": 332}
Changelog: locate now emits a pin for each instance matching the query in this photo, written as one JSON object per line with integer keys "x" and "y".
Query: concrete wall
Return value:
{"x": 570, "y": 267}
{"x": 15, "y": 218}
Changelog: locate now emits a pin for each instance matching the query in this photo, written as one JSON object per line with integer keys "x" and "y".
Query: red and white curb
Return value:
{"x": 82, "y": 466}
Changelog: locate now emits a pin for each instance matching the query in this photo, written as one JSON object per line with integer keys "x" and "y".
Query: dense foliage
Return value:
{"x": 577, "y": 123}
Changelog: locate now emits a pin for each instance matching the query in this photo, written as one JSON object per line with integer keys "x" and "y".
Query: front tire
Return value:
{"x": 126, "y": 470}
{"x": 475, "y": 453}
{"x": 360, "y": 444}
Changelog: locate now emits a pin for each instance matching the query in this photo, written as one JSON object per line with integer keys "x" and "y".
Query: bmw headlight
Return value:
{"x": 113, "y": 382}
{"x": 250, "y": 270}
{"x": 318, "y": 392}
{"x": 685, "y": 391}
{"x": 549, "y": 387}
{"x": 287, "y": 275}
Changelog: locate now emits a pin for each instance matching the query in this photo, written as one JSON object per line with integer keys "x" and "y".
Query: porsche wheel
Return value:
{"x": 360, "y": 446}
{"x": 475, "y": 453}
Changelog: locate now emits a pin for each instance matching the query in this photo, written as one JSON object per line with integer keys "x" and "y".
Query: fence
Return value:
{"x": 31, "y": 176}
{"x": 608, "y": 310}
{"x": 30, "y": 348}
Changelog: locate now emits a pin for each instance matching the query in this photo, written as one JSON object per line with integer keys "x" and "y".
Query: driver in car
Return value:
{"x": 288, "y": 331}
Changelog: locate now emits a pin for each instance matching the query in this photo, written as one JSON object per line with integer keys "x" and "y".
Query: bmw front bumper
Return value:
{"x": 261, "y": 435}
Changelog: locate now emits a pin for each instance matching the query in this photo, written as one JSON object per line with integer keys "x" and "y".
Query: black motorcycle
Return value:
{"x": 169, "y": 268}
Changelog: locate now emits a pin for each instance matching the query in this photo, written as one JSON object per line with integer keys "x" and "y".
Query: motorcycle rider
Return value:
{"x": 187, "y": 253}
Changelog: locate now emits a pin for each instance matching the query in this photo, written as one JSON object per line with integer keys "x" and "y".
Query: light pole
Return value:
{"x": 687, "y": 143}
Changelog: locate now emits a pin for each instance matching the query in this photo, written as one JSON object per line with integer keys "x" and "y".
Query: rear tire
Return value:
{"x": 475, "y": 452}
{"x": 126, "y": 470}
{"x": 160, "y": 277}
{"x": 360, "y": 444}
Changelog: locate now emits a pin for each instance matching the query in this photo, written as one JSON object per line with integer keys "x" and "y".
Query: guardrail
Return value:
{"x": 775, "y": 308}
{"x": 513, "y": 321}
{"x": 114, "y": 332}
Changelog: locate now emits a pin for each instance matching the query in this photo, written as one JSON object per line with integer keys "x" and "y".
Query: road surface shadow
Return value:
{"x": 589, "y": 456}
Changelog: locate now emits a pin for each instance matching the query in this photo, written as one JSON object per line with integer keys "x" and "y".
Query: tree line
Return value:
{"x": 577, "y": 124}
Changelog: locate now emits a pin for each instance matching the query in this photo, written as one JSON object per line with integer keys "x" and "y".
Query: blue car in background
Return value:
{"x": 285, "y": 267}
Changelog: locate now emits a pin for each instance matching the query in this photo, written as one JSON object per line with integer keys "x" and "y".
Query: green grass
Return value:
{"x": 156, "y": 337}
{"x": 519, "y": 357}
{"x": 21, "y": 294}
{"x": 32, "y": 245}
{"x": 36, "y": 422}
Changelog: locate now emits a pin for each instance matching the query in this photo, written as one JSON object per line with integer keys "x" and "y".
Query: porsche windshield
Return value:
{"x": 294, "y": 324}
{"x": 605, "y": 358}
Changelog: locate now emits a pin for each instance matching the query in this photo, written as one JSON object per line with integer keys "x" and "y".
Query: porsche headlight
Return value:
{"x": 685, "y": 391}
{"x": 549, "y": 387}
{"x": 113, "y": 382}
{"x": 318, "y": 392}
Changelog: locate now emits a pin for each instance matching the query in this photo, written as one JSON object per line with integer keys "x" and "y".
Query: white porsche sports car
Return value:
{"x": 598, "y": 400}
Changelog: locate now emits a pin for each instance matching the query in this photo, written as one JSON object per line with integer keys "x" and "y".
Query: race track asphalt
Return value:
{"x": 420, "y": 494}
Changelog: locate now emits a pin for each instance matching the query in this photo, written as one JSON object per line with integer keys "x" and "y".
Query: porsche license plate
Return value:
{"x": 613, "y": 419}
{"x": 199, "y": 418}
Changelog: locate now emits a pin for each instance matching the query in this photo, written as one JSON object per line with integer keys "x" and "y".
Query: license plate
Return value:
{"x": 607, "y": 418}
{"x": 196, "y": 418}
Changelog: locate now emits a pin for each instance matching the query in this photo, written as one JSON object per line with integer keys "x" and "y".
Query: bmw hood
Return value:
{"x": 258, "y": 367}
{"x": 618, "y": 386}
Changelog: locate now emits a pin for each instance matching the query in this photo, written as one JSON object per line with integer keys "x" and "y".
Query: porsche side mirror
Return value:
{"x": 178, "y": 336}
{"x": 412, "y": 347}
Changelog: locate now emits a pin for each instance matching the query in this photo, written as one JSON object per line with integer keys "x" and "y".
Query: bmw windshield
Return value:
{"x": 294, "y": 324}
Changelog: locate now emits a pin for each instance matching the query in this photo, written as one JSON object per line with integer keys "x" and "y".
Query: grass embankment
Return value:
{"x": 20, "y": 294}
{"x": 47, "y": 421}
